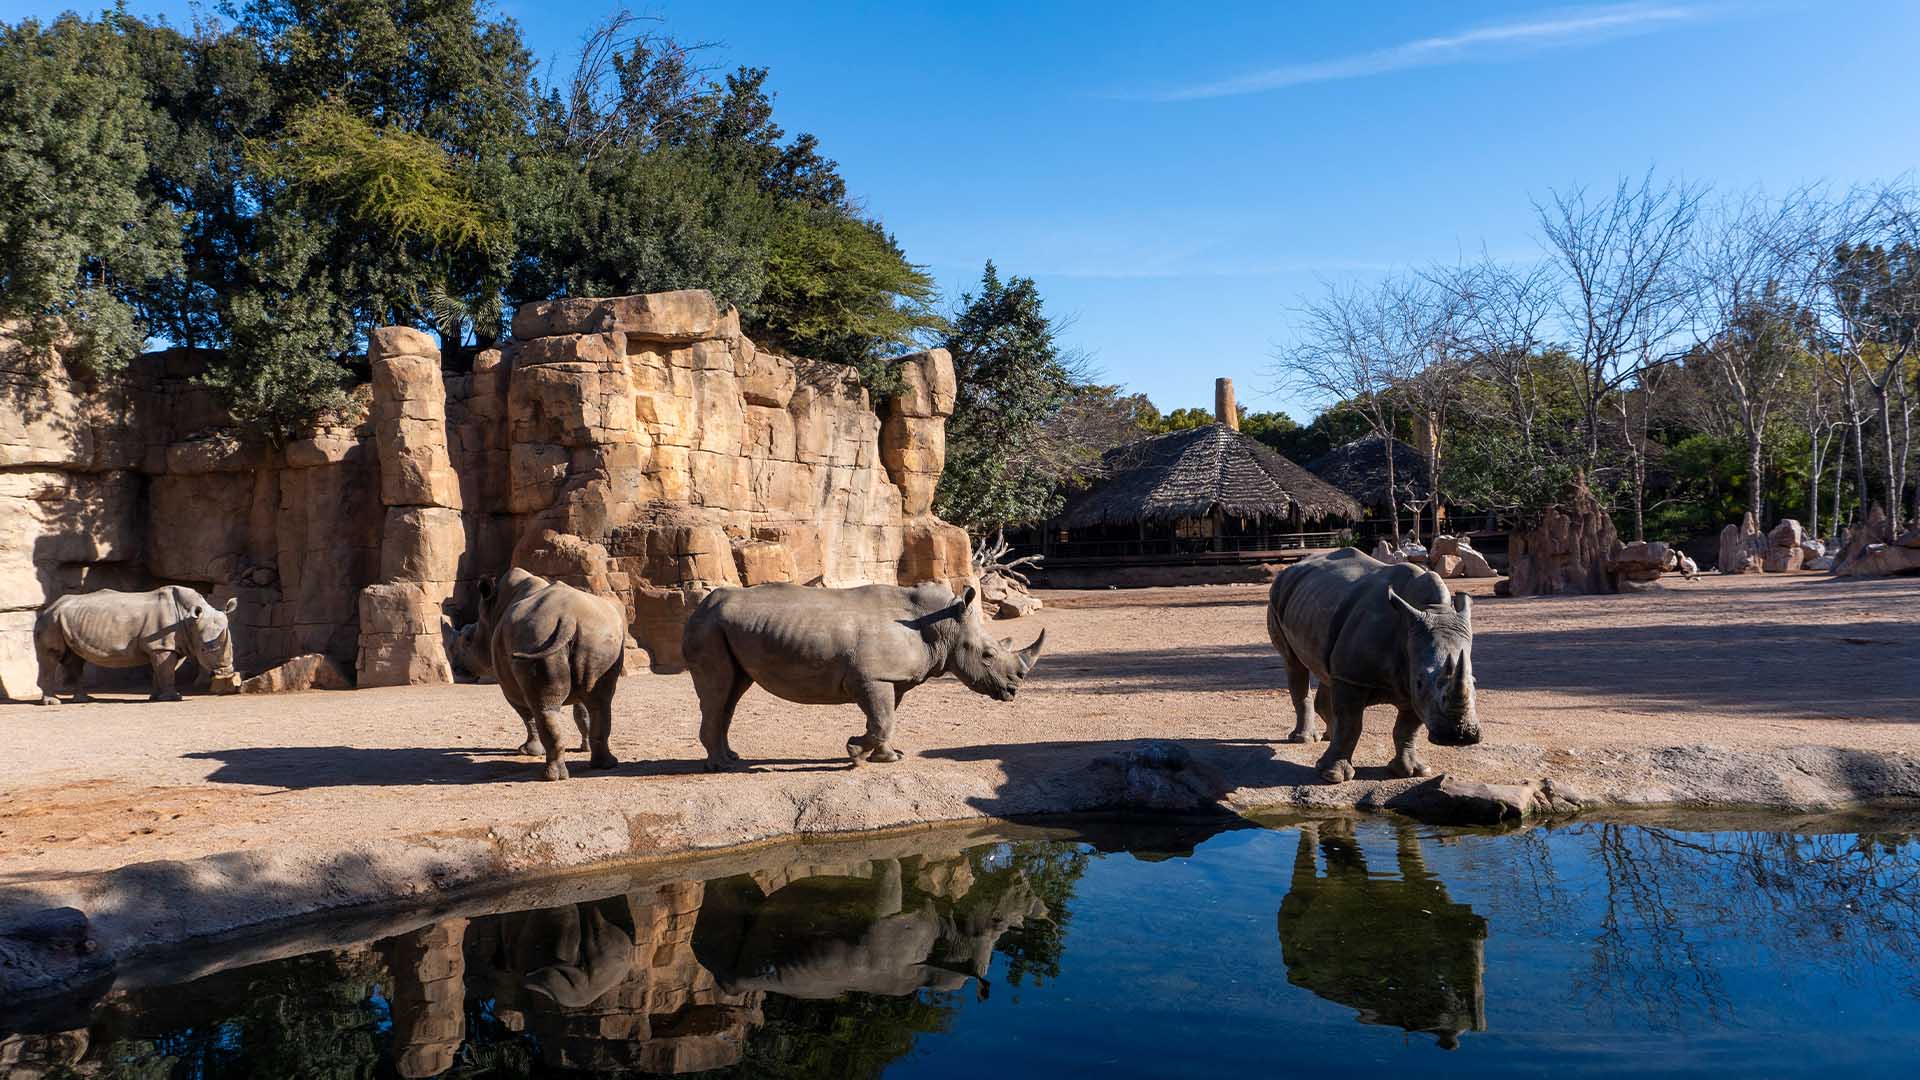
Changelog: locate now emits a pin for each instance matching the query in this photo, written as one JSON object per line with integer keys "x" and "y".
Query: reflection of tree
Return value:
{"x": 1842, "y": 901}
{"x": 1400, "y": 952}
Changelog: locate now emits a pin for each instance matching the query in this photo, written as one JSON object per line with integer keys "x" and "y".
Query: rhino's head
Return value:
{"x": 987, "y": 665}
{"x": 209, "y": 638}
{"x": 470, "y": 652}
{"x": 1440, "y": 667}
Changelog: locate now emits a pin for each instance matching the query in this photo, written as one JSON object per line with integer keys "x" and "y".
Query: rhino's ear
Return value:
{"x": 1463, "y": 604}
{"x": 485, "y": 585}
{"x": 232, "y": 602}
{"x": 967, "y": 598}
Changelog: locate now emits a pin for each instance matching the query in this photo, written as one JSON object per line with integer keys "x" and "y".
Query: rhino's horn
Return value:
{"x": 1032, "y": 652}
{"x": 1401, "y": 601}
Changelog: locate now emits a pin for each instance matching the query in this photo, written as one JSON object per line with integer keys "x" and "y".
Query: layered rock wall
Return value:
{"x": 641, "y": 447}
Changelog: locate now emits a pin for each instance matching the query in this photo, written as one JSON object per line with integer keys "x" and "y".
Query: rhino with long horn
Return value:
{"x": 865, "y": 646}
{"x": 1374, "y": 634}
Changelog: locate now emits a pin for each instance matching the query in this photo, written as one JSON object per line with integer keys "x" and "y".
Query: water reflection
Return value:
{"x": 830, "y": 969}
{"x": 1396, "y": 949}
{"x": 892, "y": 930}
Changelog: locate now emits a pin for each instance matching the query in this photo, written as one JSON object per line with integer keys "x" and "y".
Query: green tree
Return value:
{"x": 1001, "y": 469}
{"x": 80, "y": 232}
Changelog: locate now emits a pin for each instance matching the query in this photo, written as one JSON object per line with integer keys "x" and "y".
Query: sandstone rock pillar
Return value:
{"x": 1567, "y": 552}
{"x": 424, "y": 538}
{"x": 913, "y": 447}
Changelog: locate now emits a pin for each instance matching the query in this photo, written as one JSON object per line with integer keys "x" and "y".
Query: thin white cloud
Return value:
{"x": 1566, "y": 28}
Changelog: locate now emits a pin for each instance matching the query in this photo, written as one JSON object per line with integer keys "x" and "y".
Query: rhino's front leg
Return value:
{"x": 166, "y": 665}
{"x": 1406, "y": 732}
{"x": 1343, "y": 714}
{"x": 877, "y": 700}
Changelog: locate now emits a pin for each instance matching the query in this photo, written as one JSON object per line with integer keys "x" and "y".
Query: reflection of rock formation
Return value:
{"x": 902, "y": 926}
{"x": 1398, "y": 951}
{"x": 429, "y": 997}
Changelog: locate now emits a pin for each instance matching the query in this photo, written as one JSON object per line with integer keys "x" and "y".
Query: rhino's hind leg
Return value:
{"x": 581, "y": 720}
{"x": 532, "y": 746}
{"x": 166, "y": 667}
{"x": 1298, "y": 685}
{"x": 553, "y": 737}
{"x": 719, "y": 686}
{"x": 1343, "y": 735}
{"x": 599, "y": 710}
{"x": 1406, "y": 732}
{"x": 877, "y": 700}
{"x": 75, "y": 668}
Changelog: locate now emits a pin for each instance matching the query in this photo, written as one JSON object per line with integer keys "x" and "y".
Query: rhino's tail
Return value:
{"x": 561, "y": 637}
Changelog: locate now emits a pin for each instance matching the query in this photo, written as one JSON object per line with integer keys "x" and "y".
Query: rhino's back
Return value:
{"x": 110, "y": 627}
{"x": 1334, "y": 612}
{"x": 535, "y": 616}
{"x": 781, "y": 602}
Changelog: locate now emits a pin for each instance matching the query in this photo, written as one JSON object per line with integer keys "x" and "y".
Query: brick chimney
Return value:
{"x": 1224, "y": 409}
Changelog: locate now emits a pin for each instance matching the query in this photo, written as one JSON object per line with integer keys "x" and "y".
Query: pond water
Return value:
{"x": 1331, "y": 947}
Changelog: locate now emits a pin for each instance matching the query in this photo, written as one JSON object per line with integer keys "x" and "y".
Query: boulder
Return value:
{"x": 1876, "y": 529}
{"x": 1640, "y": 562}
{"x": 1784, "y": 553}
{"x": 1473, "y": 564}
{"x": 1882, "y": 560}
{"x": 761, "y": 561}
{"x": 684, "y": 316}
{"x": 1823, "y": 564}
{"x": 308, "y": 671}
{"x": 1384, "y": 552}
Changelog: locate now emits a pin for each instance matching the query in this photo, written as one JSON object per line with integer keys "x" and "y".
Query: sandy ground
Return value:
{"x": 392, "y": 791}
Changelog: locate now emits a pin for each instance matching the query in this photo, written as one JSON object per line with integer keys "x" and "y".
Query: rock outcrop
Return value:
{"x": 1901, "y": 556}
{"x": 1639, "y": 563}
{"x": 1743, "y": 548}
{"x": 1566, "y": 552}
{"x": 1454, "y": 557}
{"x": 1785, "y": 551}
{"x": 641, "y": 447}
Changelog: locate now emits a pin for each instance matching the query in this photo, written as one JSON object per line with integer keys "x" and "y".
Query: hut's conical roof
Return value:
{"x": 1185, "y": 474}
{"x": 1359, "y": 468}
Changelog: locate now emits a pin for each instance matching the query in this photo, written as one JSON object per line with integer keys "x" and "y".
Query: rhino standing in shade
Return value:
{"x": 552, "y": 646}
{"x": 865, "y": 646}
{"x": 122, "y": 630}
{"x": 1374, "y": 634}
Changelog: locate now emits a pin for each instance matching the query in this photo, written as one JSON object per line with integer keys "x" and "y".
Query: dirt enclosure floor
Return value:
{"x": 163, "y": 821}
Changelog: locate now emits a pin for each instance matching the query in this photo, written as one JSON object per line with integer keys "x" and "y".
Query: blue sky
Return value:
{"x": 1179, "y": 180}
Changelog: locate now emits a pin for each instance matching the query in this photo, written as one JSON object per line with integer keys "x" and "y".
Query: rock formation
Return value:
{"x": 639, "y": 446}
{"x": 1743, "y": 548}
{"x": 1876, "y": 529}
{"x": 1454, "y": 557}
{"x": 1567, "y": 552}
{"x": 1784, "y": 552}
{"x": 1901, "y": 556}
{"x": 1639, "y": 563}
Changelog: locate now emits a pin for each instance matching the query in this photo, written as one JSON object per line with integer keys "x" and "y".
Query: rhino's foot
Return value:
{"x": 171, "y": 695}
{"x": 1405, "y": 768}
{"x": 1306, "y": 736}
{"x": 555, "y": 771}
{"x": 582, "y": 748}
{"x": 1337, "y": 772}
{"x": 604, "y": 761}
{"x": 531, "y": 748}
{"x": 886, "y": 755}
{"x": 49, "y": 699}
{"x": 728, "y": 761}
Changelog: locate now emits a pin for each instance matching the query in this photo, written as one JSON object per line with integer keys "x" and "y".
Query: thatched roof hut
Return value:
{"x": 1359, "y": 469}
{"x": 1189, "y": 474}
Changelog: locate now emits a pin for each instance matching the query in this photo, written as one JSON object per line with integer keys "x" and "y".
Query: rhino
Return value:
{"x": 1398, "y": 951}
{"x": 1374, "y": 634}
{"x": 129, "y": 629}
{"x": 864, "y": 646}
{"x": 550, "y": 646}
{"x": 827, "y": 935}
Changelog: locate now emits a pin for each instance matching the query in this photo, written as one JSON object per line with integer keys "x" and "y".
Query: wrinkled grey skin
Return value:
{"x": 865, "y": 646}
{"x": 551, "y": 646}
{"x": 824, "y": 936}
{"x": 1373, "y": 634}
{"x": 124, "y": 629}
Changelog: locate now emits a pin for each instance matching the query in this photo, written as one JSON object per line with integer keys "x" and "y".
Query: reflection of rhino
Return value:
{"x": 572, "y": 954}
{"x": 824, "y": 936}
{"x": 1398, "y": 951}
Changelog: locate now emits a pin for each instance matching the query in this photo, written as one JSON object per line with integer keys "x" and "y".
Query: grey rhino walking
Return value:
{"x": 125, "y": 629}
{"x": 1374, "y": 634}
{"x": 865, "y": 646}
{"x": 551, "y": 646}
